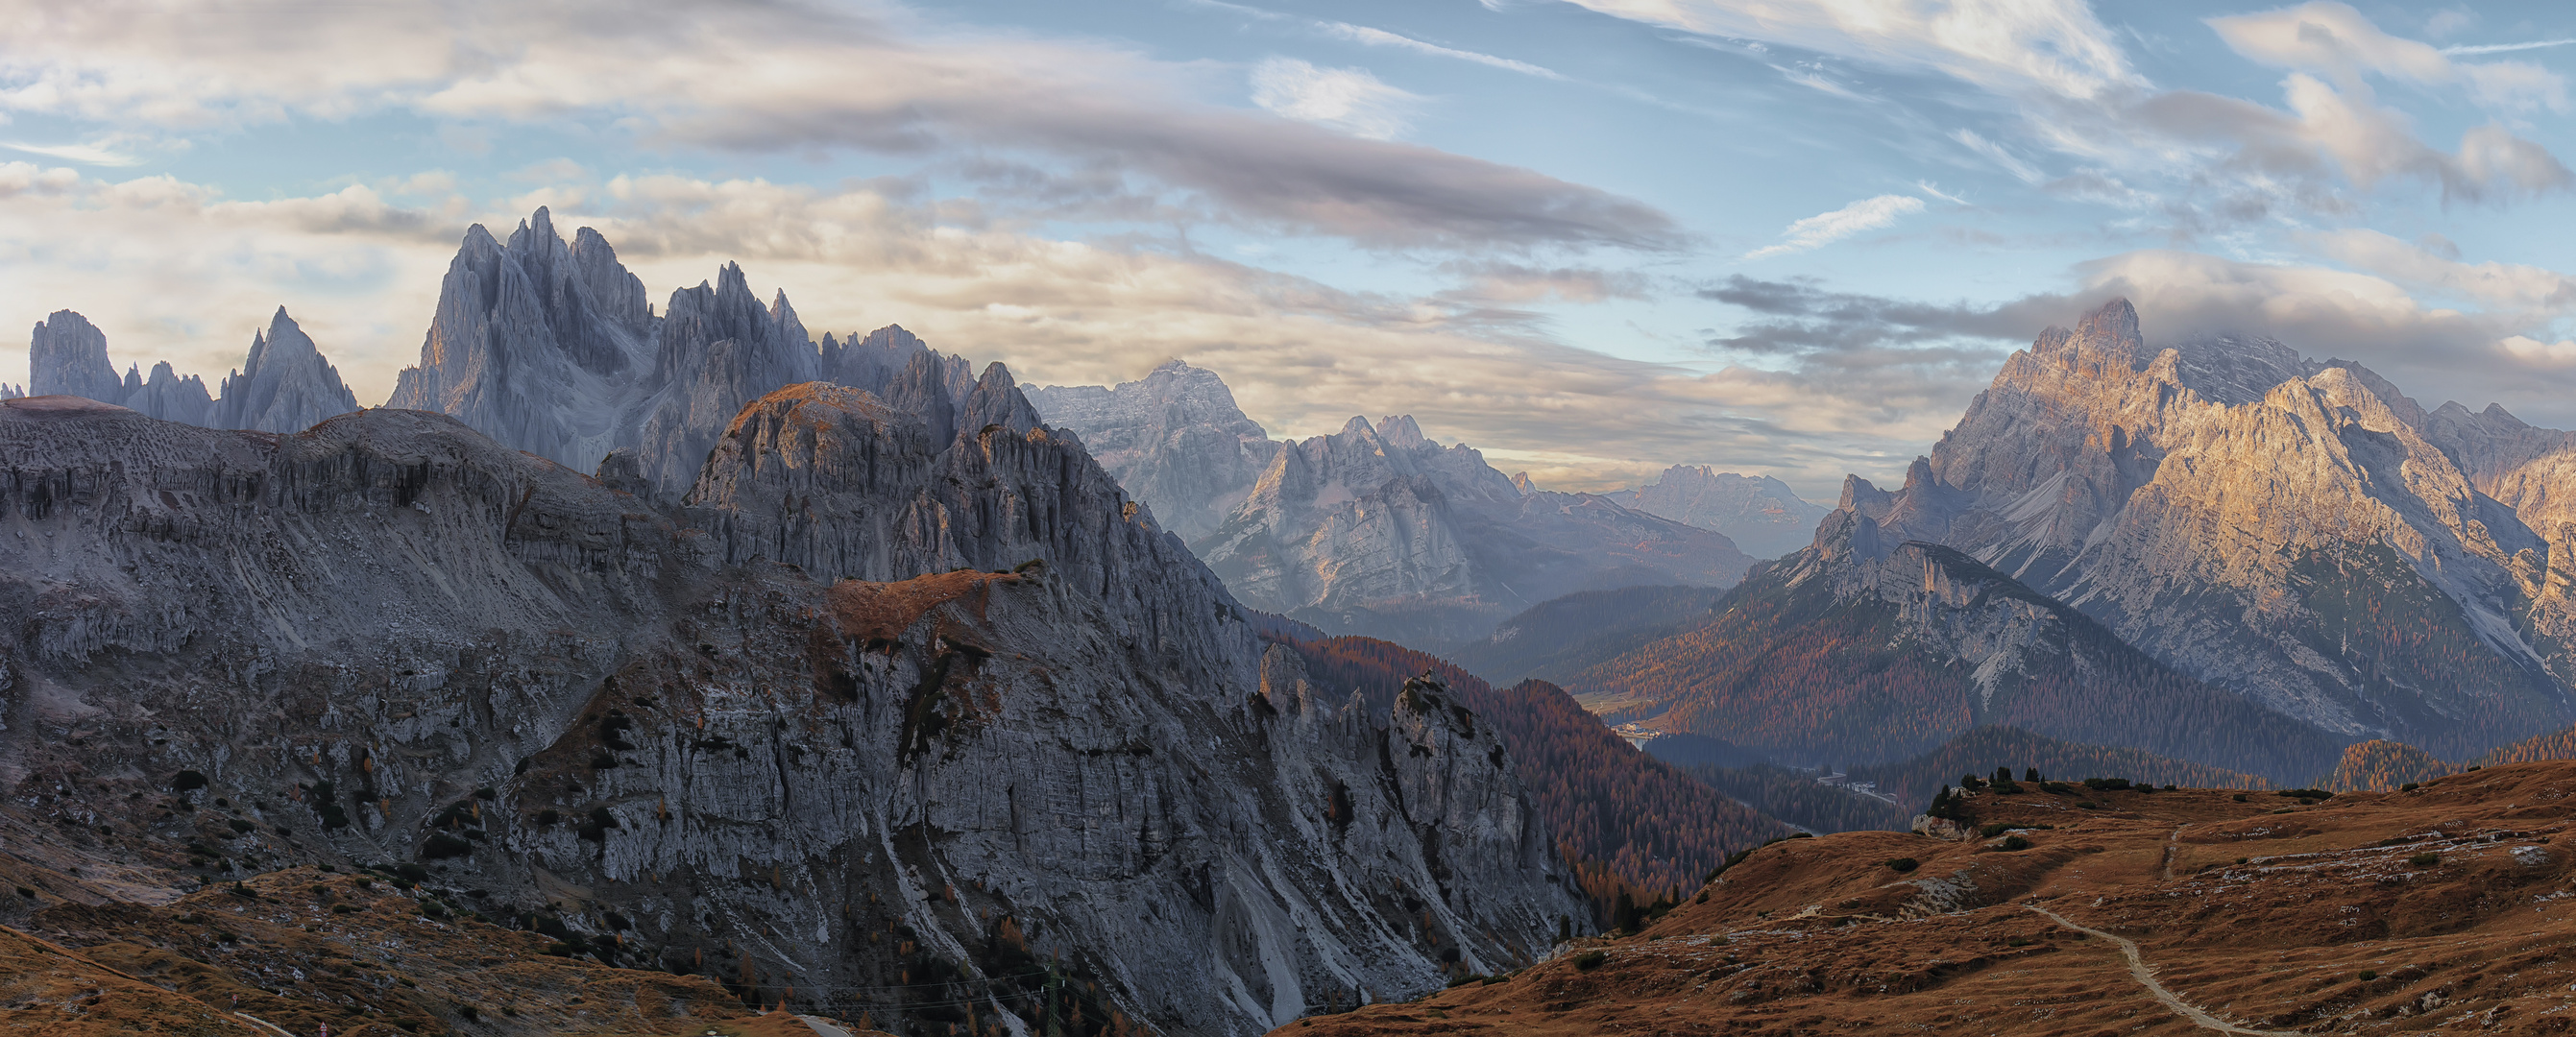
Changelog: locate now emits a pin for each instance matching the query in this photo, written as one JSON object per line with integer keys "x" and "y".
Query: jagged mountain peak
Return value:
{"x": 1399, "y": 430}
{"x": 285, "y": 385}
{"x": 67, "y": 356}
{"x": 2226, "y": 486}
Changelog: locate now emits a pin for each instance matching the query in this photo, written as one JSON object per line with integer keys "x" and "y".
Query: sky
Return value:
{"x": 1590, "y": 237}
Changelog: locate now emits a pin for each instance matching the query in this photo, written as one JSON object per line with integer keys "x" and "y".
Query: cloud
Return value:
{"x": 771, "y": 76}
{"x": 1994, "y": 152}
{"x": 2330, "y": 37}
{"x": 2503, "y": 48}
{"x": 1383, "y": 38}
{"x": 2511, "y": 290}
{"x": 2052, "y": 47}
{"x": 2207, "y": 161}
{"x": 85, "y": 154}
{"x": 1349, "y": 99}
{"x": 1828, "y": 227}
{"x": 2334, "y": 40}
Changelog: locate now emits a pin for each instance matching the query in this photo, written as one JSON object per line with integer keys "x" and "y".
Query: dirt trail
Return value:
{"x": 2138, "y": 971}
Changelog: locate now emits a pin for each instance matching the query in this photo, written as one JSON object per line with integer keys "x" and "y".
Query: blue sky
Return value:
{"x": 1592, "y": 238}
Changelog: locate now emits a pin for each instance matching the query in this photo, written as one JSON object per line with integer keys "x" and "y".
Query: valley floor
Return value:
{"x": 2181, "y": 912}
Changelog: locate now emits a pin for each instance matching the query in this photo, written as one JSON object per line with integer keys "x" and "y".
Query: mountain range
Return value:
{"x": 1761, "y": 514}
{"x": 1375, "y": 529}
{"x": 285, "y": 385}
{"x": 2216, "y": 550}
{"x": 895, "y": 703}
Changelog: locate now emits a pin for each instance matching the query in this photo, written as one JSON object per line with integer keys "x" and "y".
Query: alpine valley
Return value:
{"x": 645, "y": 670}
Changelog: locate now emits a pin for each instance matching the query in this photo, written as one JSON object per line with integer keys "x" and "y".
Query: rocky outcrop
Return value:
{"x": 534, "y": 342}
{"x": 719, "y": 349}
{"x": 1759, "y": 513}
{"x": 551, "y": 348}
{"x": 2314, "y": 543}
{"x": 1002, "y": 732}
{"x": 1377, "y": 529}
{"x": 170, "y": 397}
{"x": 1174, "y": 439}
{"x": 67, "y": 356}
{"x": 285, "y": 386}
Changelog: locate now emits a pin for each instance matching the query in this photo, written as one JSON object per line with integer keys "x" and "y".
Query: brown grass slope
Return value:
{"x": 2445, "y": 907}
{"x": 298, "y": 948}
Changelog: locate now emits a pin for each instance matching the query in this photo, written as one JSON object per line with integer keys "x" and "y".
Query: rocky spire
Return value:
{"x": 171, "y": 397}
{"x": 285, "y": 386}
{"x": 68, "y": 357}
{"x": 533, "y": 342}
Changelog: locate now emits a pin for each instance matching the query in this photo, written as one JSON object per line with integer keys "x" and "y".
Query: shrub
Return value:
{"x": 1904, "y": 864}
{"x": 2306, "y": 793}
{"x": 2367, "y": 975}
{"x": 2409, "y": 786}
{"x": 187, "y": 780}
{"x": 2088, "y": 805}
{"x": 2099, "y": 784}
{"x": 1993, "y": 829}
{"x": 2425, "y": 860}
{"x": 1590, "y": 960}
{"x": 442, "y": 846}
{"x": 549, "y": 816}
{"x": 239, "y": 826}
{"x": 2017, "y": 942}
{"x": 2015, "y": 842}
{"x": 2239, "y": 797}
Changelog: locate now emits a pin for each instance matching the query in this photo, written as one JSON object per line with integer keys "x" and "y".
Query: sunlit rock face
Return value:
{"x": 2296, "y": 531}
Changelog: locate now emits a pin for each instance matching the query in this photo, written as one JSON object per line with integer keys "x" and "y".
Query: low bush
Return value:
{"x": 1590, "y": 960}
{"x": 1904, "y": 864}
{"x": 2015, "y": 842}
{"x": 2425, "y": 860}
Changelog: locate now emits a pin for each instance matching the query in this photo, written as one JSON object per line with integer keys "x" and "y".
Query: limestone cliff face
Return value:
{"x": 1761, "y": 514}
{"x": 1378, "y": 530}
{"x": 2299, "y": 532}
{"x": 1174, "y": 439}
{"x": 747, "y": 740}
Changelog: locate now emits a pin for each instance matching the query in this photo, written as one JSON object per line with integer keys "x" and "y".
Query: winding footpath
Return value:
{"x": 2138, "y": 971}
